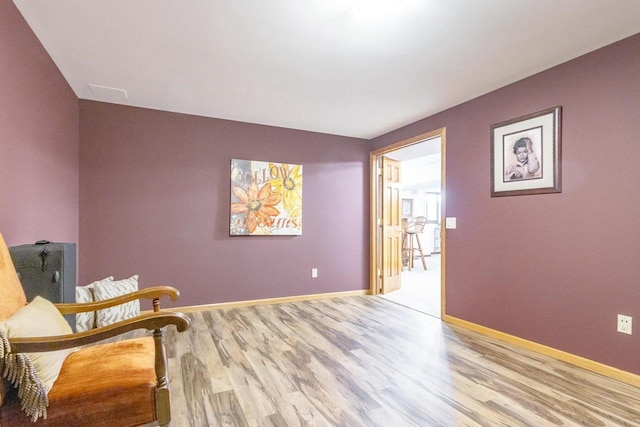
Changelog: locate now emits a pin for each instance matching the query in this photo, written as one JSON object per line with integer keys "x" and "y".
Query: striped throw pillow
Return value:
{"x": 103, "y": 291}
{"x": 87, "y": 320}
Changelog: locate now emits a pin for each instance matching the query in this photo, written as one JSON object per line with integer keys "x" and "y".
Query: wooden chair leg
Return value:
{"x": 163, "y": 400}
{"x": 424, "y": 264}
{"x": 413, "y": 252}
{"x": 405, "y": 257}
{"x": 410, "y": 252}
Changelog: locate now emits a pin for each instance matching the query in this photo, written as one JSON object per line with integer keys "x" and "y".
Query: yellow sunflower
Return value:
{"x": 289, "y": 184}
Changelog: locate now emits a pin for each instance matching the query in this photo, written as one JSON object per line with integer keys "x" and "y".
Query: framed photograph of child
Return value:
{"x": 526, "y": 154}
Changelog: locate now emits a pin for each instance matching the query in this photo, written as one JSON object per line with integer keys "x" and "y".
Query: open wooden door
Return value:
{"x": 391, "y": 226}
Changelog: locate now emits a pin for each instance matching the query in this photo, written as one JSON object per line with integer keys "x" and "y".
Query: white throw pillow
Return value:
{"x": 87, "y": 320}
{"x": 34, "y": 373}
{"x": 103, "y": 291}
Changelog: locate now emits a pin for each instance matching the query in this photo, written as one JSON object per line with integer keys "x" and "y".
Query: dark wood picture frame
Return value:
{"x": 526, "y": 154}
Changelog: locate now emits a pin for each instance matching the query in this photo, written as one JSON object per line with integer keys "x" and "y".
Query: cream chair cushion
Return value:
{"x": 33, "y": 373}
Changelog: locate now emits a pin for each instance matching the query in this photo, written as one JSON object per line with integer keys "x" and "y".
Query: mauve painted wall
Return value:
{"x": 555, "y": 269}
{"x": 39, "y": 145}
{"x": 155, "y": 194}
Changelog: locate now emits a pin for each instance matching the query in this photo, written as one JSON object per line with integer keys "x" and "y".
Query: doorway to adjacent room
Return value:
{"x": 419, "y": 200}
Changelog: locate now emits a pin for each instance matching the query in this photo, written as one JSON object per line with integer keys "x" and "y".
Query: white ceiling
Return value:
{"x": 347, "y": 67}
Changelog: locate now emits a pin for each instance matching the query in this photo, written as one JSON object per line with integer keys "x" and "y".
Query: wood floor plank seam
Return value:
{"x": 365, "y": 361}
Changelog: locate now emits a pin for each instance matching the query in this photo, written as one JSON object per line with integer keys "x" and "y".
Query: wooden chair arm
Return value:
{"x": 150, "y": 321}
{"x": 153, "y": 292}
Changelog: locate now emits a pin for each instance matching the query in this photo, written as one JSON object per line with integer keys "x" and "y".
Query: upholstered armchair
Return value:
{"x": 121, "y": 383}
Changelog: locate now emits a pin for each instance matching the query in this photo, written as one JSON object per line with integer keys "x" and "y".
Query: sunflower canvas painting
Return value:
{"x": 266, "y": 198}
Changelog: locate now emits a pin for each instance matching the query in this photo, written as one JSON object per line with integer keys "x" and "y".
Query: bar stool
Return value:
{"x": 412, "y": 232}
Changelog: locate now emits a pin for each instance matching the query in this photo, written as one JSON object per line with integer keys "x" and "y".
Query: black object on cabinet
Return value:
{"x": 49, "y": 270}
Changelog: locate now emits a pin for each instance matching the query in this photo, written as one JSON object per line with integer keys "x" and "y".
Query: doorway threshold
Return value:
{"x": 420, "y": 288}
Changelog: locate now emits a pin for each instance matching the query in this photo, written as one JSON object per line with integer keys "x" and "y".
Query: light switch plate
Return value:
{"x": 450, "y": 222}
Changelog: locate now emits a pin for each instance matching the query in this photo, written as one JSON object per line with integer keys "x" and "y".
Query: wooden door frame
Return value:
{"x": 374, "y": 210}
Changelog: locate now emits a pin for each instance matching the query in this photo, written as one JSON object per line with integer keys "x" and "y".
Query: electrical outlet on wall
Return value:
{"x": 624, "y": 324}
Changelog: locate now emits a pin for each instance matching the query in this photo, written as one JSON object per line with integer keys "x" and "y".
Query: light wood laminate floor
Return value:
{"x": 365, "y": 361}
